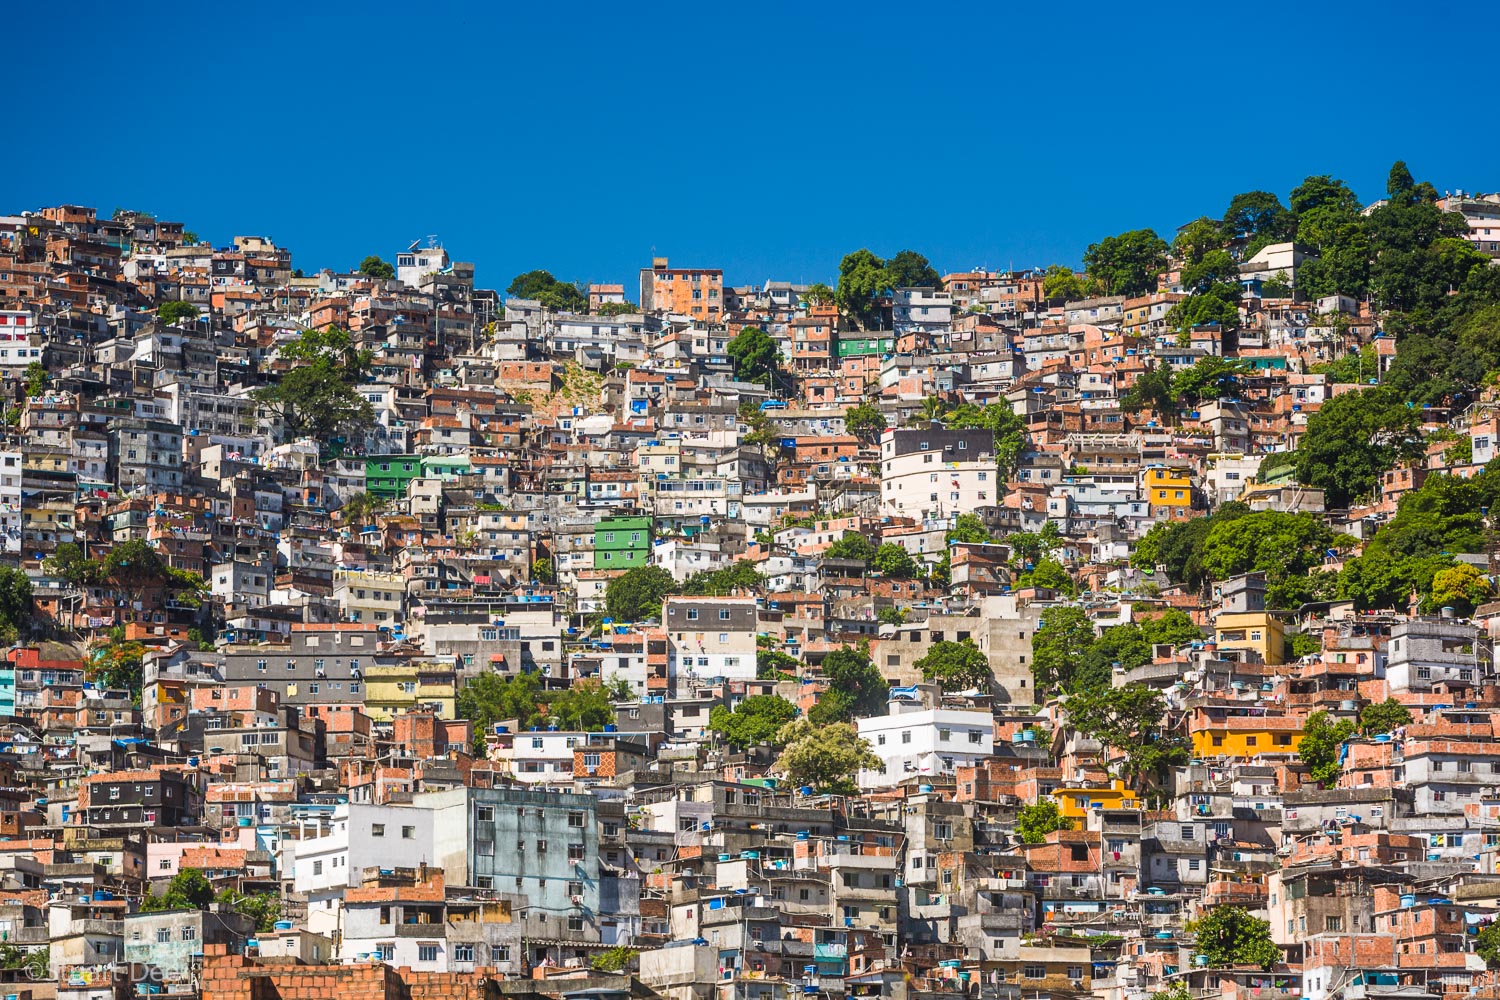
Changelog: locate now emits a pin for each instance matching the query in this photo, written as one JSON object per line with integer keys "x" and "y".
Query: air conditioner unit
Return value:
{"x": 576, "y": 900}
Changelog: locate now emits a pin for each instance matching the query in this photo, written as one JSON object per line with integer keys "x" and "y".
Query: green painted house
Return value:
{"x": 387, "y": 476}
{"x": 622, "y": 542}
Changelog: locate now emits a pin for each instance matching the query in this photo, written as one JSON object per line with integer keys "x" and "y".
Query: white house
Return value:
{"x": 916, "y": 740}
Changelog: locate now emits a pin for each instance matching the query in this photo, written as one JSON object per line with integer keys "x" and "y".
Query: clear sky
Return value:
{"x": 767, "y": 139}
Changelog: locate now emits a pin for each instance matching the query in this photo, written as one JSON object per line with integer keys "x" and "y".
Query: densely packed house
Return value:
{"x": 1004, "y": 634}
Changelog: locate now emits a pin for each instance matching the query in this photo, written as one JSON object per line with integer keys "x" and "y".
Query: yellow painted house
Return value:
{"x": 1242, "y": 731}
{"x": 1167, "y": 487}
{"x": 391, "y": 689}
{"x": 1253, "y": 630}
{"x": 1075, "y": 803}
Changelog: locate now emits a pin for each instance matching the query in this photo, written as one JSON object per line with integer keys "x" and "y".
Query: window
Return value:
{"x": 1075, "y": 972}
{"x": 944, "y": 735}
{"x": 485, "y": 814}
{"x": 408, "y": 832}
{"x": 975, "y": 736}
{"x": 575, "y": 853}
{"x": 427, "y": 952}
{"x": 575, "y": 819}
{"x": 163, "y": 935}
{"x": 1034, "y": 972}
{"x": 189, "y": 933}
{"x": 386, "y": 951}
{"x": 1333, "y": 924}
{"x": 377, "y": 829}
{"x": 575, "y": 923}
{"x": 463, "y": 953}
{"x": 692, "y": 614}
{"x": 317, "y": 867}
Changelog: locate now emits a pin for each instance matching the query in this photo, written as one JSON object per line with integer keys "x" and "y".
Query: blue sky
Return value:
{"x": 766, "y": 139}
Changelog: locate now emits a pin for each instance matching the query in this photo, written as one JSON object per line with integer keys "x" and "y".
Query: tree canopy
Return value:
{"x": 1319, "y": 746}
{"x": 756, "y": 357}
{"x": 956, "y": 666}
{"x": 856, "y": 688}
{"x": 755, "y": 720}
{"x": 1352, "y": 439}
{"x": 636, "y": 594}
{"x": 825, "y": 758}
{"x": 1128, "y": 264}
{"x": 1035, "y": 821}
{"x": 558, "y": 296}
{"x": 373, "y": 267}
{"x": 1229, "y": 935}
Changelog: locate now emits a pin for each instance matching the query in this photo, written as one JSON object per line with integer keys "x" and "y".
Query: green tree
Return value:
{"x": 558, "y": 296}
{"x": 1461, "y": 587}
{"x": 1258, "y": 218}
{"x": 1354, "y": 438}
{"x": 1229, "y": 935}
{"x": 489, "y": 698}
{"x": 1051, "y": 574}
{"x": 1000, "y": 420}
{"x": 361, "y": 508}
{"x": 636, "y": 594}
{"x": 317, "y": 398}
{"x": 865, "y": 422}
{"x": 173, "y": 313}
{"x": 856, "y": 687}
{"x": 826, "y": 758}
{"x": 956, "y": 666}
{"x": 15, "y": 601}
{"x": 862, "y": 277}
{"x": 1131, "y": 719}
{"x": 1319, "y": 192}
{"x": 1058, "y": 648}
{"x": 1035, "y": 821}
{"x": 1128, "y": 264}
{"x": 892, "y": 560}
{"x": 852, "y": 546}
{"x": 373, "y": 267}
{"x": 608, "y": 309}
{"x": 117, "y": 665}
{"x": 1196, "y": 240}
{"x": 818, "y": 294}
{"x": 616, "y": 959}
{"x": 584, "y": 707}
{"x": 1287, "y": 548}
{"x": 262, "y": 907}
{"x": 772, "y": 664}
{"x": 1487, "y": 944}
{"x": 1063, "y": 284}
{"x": 36, "y": 379}
{"x": 968, "y": 528}
{"x": 1383, "y": 716}
{"x": 1319, "y": 747}
{"x": 756, "y": 357}
{"x": 1151, "y": 390}
{"x": 1212, "y": 377}
{"x": 758, "y": 719}
{"x": 909, "y": 269}
{"x": 189, "y": 889}
{"x": 542, "y": 571}
{"x": 741, "y": 576}
{"x": 1278, "y": 286}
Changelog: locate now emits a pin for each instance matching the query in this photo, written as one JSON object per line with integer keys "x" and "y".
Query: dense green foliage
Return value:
{"x": 1352, "y": 439}
{"x": 825, "y": 758}
{"x": 317, "y": 398}
{"x": 1035, "y": 821}
{"x": 1131, "y": 719}
{"x": 741, "y": 576}
{"x": 636, "y": 594}
{"x": 865, "y": 422}
{"x": 1383, "y": 716}
{"x": 490, "y": 698}
{"x": 956, "y": 666}
{"x": 1229, "y": 935}
{"x": 852, "y": 546}
{"x": 856, "y": 688}
{"x": 1128, "y": 264}
{"x": 864, "y": 277}
{"x": 755, "y": 720}
{"x": 173, "y": 313}
{"x": 558, "y": 296}
{"x": 373, "y": 267}
{"x": 756, "y": 357}
{"x": 1318, "y": 748}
